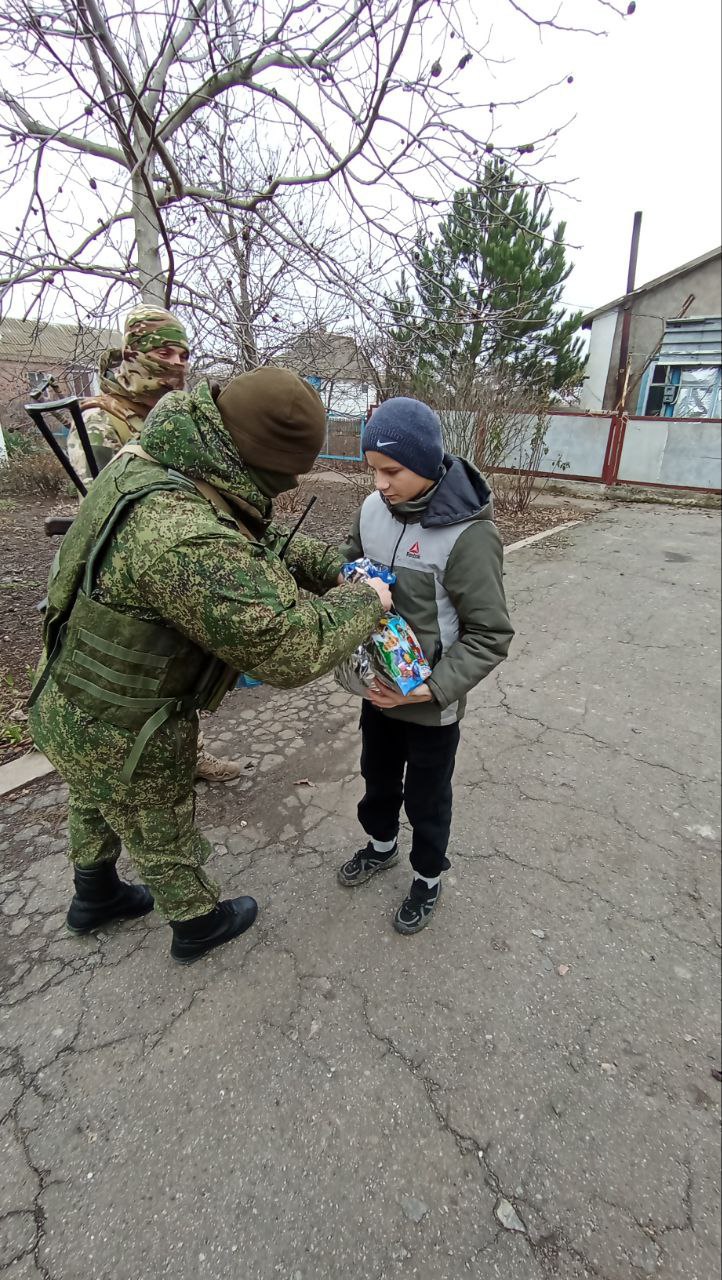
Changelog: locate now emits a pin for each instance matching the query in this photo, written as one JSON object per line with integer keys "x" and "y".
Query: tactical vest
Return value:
{"x": 115, "y": 667}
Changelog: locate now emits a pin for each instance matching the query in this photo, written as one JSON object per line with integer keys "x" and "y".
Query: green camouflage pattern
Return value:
{"x": 131, "y": 382}
{"x": 167, "y": 849}
{"x": 147, "y": 328}
{"x": 107, "y": 433}
{"x": 178, "y": 561}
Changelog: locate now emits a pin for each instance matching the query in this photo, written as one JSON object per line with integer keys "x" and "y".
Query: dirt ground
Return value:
{"x": 26, "y": 555}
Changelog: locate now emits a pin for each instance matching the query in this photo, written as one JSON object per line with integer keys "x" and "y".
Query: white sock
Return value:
{"x": 382, "y": 846}
{"x": 431, "y": 881}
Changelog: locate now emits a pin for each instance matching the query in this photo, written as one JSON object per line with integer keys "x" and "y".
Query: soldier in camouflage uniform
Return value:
{"x": 153, "y": 362}
{"x": 172, "y": 579}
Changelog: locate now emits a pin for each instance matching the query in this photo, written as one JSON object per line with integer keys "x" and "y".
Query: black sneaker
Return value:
{"x": 365, "y": 864}
{"x": 416, "y": 910}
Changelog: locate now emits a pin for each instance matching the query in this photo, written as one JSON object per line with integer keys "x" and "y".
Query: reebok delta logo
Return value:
{"x": 414, "y": 551}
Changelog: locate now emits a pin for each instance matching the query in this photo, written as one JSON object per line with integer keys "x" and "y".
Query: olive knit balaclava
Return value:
{"x": 275, "y": 419}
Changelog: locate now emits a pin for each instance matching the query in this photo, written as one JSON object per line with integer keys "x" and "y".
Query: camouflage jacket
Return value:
{"x": 177, "y": 561}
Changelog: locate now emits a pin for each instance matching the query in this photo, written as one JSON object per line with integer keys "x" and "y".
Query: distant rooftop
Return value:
{"x": 66, "y": 344}
{"x": 320, "y": 353}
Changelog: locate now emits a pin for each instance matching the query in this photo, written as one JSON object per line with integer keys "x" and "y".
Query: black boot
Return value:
{"x": 101, "y": 896}
{"x": 193, "y": 938}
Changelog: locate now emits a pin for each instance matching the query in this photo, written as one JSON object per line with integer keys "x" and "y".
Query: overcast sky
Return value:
{"x": 646, "y": 133}
{"x": 647, "y": 136}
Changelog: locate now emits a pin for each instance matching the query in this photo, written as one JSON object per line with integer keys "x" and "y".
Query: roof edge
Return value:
{"x": 652, "y": 284}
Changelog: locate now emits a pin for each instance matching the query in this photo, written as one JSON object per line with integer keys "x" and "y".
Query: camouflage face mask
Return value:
{"x": 143, "y": 374}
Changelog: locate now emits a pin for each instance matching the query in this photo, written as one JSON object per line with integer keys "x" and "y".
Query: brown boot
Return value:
{"x": 216, "y": 768}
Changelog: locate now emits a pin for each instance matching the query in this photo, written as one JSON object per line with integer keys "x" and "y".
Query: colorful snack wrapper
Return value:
{"x": 400, "y": 653}
{"x": 359, "y": 570}
{"x": 392, "y": 656}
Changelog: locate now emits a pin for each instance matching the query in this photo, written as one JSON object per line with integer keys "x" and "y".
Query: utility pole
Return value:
{"x": 620, "y": 395}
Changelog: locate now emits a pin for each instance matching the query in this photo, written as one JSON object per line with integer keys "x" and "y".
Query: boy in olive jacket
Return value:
{"x": 430, "y": 520}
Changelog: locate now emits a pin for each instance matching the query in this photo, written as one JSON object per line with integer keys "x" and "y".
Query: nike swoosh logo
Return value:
{"x": 382, "y": 443}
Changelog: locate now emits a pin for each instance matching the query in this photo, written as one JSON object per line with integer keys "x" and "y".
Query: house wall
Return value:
{"x": 600, "y": 353}
{"x": 347, "y": 397}
{"x": 15, "y": 384}
{"x": 651, "y": 310}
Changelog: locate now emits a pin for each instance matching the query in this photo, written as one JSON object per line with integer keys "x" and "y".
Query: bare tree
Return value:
{"x": 251, "y": 281}
{"x": 102, "y": 101}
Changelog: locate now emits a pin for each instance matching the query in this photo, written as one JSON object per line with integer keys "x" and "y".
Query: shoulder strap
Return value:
{"x": 120, "y": 420}
{"x": 206, "y": 491}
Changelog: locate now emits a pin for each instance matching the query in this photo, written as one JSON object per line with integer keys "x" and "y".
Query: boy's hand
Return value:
{"x": 383, "y": 697}
{"x": 383, "y": 591}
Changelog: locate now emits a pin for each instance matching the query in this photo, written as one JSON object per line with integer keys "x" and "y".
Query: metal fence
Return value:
{"x": 343, "y": 438}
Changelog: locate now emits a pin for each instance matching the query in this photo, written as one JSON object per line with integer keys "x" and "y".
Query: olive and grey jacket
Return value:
{"x": 447, "y": 555}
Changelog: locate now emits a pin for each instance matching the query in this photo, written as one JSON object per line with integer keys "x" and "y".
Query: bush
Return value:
{"x": 20, "y": 442}
{"x": 32, "y": 471}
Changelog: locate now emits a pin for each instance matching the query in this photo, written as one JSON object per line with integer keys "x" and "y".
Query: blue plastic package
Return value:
{"x": 358, "y": 570}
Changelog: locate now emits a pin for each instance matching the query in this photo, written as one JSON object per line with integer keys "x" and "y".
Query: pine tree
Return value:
{"x": 485, "y": 297}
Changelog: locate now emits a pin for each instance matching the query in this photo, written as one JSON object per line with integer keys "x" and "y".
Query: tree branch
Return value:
{"x": 34, "y": 129}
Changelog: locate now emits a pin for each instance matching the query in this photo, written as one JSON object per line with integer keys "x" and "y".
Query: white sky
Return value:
{"x": 647, "y": 136}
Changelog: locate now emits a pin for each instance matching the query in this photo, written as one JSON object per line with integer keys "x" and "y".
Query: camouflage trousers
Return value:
{"x": 166, "y": 848}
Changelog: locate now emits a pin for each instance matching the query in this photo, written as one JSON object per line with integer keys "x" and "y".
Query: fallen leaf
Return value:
{"x": 563, "y": 970}
{"x": 304, "y": 782}
{"x": 715, "y": 1074}
{"x": 538, "y": 933}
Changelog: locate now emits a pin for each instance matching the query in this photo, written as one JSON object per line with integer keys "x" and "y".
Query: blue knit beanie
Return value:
{"x": 409, "y": 432}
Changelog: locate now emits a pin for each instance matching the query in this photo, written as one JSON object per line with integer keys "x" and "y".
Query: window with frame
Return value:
{"x": 663, "y": 387}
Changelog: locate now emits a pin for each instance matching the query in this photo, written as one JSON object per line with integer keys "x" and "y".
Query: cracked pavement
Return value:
{"x": 524, "y": 1091}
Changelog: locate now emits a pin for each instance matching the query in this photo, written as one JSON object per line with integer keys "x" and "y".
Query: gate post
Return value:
{"x": 615, "y": 444}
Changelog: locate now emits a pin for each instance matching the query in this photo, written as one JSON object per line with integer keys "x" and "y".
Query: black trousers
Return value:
{"x": 426, "y": 754}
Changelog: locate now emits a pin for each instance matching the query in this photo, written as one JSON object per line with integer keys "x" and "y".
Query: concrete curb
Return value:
{"x": 539, "y": 537}
{"x": 18, "y": 773}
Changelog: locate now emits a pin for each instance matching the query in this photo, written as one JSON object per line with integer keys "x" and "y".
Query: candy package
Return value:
{"x": 392, "y": 655}
{"x": 400, "y": 653}
{"x": 359, "y": 570}
{"x": 357, "y": 673}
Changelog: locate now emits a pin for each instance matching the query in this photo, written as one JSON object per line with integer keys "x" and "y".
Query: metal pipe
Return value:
{"x": 90, "y": 458}
{"x": 36, "y": 413}
{"x": 620, "y": 394}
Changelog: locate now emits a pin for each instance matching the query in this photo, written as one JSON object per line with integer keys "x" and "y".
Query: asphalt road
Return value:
{"x": 524, "y": 1091}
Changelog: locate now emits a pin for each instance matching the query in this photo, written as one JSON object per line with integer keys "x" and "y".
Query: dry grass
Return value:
{"x": 33, "y": 472}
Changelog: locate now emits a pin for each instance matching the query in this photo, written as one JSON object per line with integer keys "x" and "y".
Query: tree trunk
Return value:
{"x": 151, "y": 273}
